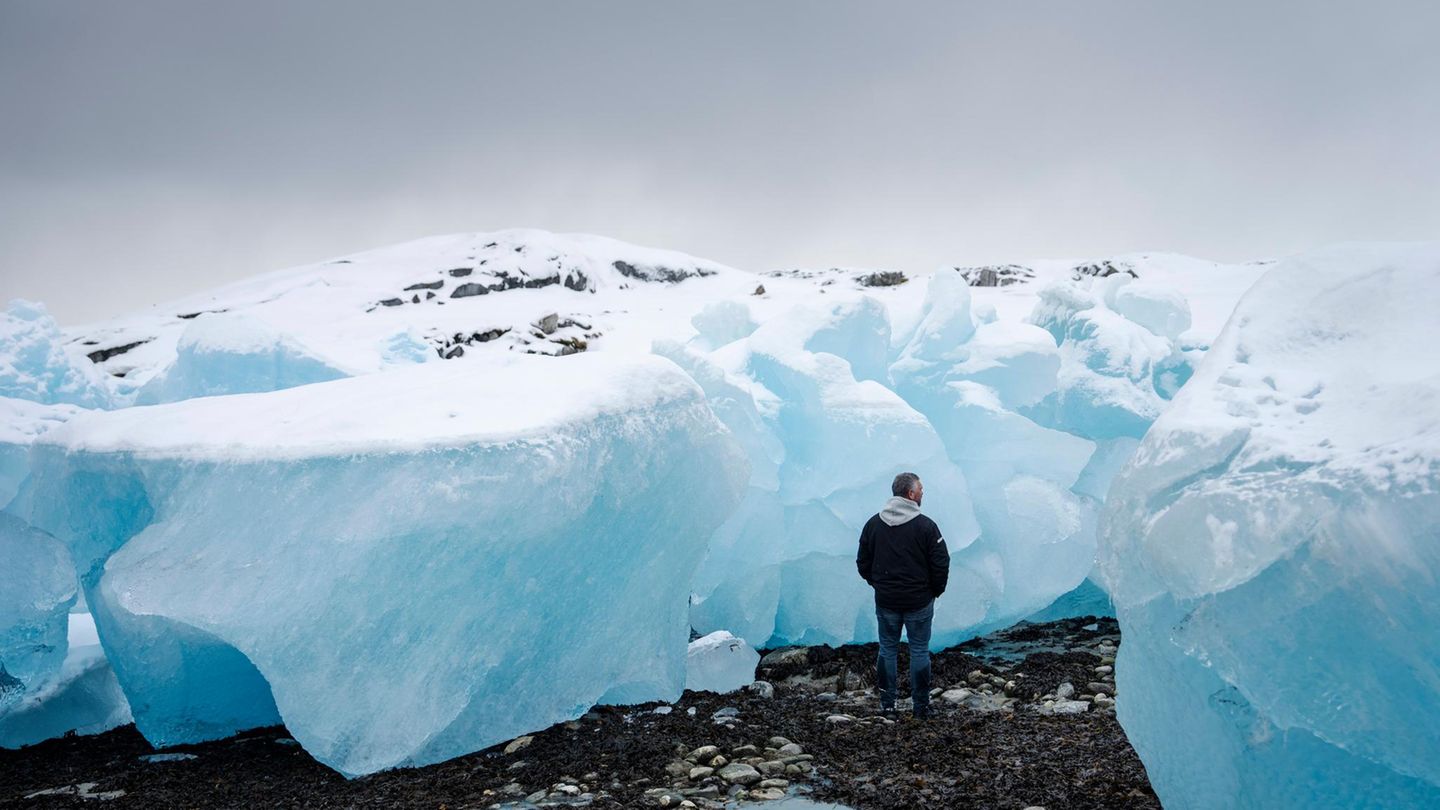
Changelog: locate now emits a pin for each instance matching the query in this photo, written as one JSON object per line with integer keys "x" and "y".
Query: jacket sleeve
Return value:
{"x": 866, "y": 556}
{"x": 939, "y": 561}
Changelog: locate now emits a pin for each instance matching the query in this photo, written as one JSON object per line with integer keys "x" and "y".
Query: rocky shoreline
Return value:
{"x": 1022, "y": 718}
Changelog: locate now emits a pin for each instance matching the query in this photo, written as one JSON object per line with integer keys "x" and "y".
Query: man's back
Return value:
{"x": 903, "y": 556}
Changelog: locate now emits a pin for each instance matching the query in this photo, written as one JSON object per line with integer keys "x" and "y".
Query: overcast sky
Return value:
{"x": 149, "y": 150}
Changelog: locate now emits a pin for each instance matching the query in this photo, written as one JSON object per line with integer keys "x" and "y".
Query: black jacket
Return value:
{"x": 907, "y": 565}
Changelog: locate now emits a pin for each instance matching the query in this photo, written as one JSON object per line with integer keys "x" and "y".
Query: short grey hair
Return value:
{"x": 904, "y": 484}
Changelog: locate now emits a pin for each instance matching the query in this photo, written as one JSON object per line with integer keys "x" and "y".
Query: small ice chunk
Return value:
{"x": 719, "y": 662}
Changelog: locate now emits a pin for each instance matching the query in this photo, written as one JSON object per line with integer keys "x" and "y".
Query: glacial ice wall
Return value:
{"x": 830, "y": 405}
{"x": 1273, "y": 549}
{"x": 401, "y": 567}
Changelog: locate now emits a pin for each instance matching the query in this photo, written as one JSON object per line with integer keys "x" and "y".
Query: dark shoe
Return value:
{"x": 922, "y": 717}
{"x": 889, "y": 714}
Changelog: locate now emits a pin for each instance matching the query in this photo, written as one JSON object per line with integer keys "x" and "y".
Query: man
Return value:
{"x": 903, "y": 557}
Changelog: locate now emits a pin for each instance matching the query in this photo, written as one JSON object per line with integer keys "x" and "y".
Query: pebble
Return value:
{"x": 774, "y": 783}
{"x": 739, "y": 773}
{"x": 1066, "y": 691}
{"x": 704, "y": 754}
{"x": 700, "y": 772}
{"x": 1104, "y": 669}
{"x": 771, "y": 768}
{"x": 1099, "y": 688}
{"x": 764, "y": 689}
{"x": 777, "y": 742}
{"x": 789, "y": 750}
{"x": 790, "y": 655}
{"x": 839, "y": 718}
{"x": 1069, "y": 707}
{"x": 766, "y": 794}
{"x": 518, "y": 743}
{"x": 719, "y": 761}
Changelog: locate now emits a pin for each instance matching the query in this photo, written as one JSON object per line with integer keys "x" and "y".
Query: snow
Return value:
{"x": 445, "y": 560}
{"x": 720, "y": 663}
{"x": 34, "y": 364}
{"x": 1271, "y": 548}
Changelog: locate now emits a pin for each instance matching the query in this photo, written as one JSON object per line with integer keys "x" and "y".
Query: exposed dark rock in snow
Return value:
{"x": 186, "y": 316}
{"x": 1000, "y": 275}
{"x": 1104, "y": 269}
{"x": 882, "y": 278}
{"x": 453, "y": 346}
{"x": 668, "y": 275}
{"x": 428, "y": 285}
{"x": 101, "y": 355}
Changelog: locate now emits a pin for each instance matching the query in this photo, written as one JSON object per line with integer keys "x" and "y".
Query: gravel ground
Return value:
{"x": 994, "y": 744}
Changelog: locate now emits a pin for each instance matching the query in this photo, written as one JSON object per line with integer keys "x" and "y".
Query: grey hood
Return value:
{"x": 899, "y": 510}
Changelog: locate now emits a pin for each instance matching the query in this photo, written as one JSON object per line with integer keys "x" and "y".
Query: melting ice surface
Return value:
{"x": 1273, "y": 551}
{"x": 401, "y": 567}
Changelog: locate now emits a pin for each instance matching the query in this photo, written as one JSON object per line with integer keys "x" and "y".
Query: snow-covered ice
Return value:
{"x": 720, "y": 662}
{"x": 21, "y": 421}
{"x": 1272, "y": 548}
{"x": 401, "y": 567}
{"x": 236, "y": 354}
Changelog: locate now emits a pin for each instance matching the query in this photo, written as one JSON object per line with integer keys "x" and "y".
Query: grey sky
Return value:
{"x": 148, "y": 150}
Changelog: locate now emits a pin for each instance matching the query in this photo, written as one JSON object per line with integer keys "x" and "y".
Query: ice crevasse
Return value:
{"x": 401, "y": 567}
{"x": 1273, "y": 550}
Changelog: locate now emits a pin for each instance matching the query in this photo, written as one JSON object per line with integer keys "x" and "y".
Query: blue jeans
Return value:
{"x": 916, "y": 624}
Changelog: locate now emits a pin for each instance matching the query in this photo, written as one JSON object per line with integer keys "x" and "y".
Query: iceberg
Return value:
{"x": 39, "y": 589}
{"x": 720, "y": 662}
{"x": 401, "y": 567}
{"x": 84, "y": 698}
{"x": 36, "y": 365}
{"x": 233, "y": 354}
{"x": 1272, "y": 550}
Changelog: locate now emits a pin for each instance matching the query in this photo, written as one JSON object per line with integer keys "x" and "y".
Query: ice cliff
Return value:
{"x": 401, "y": 567}
{"x": 1273, "y": 553}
